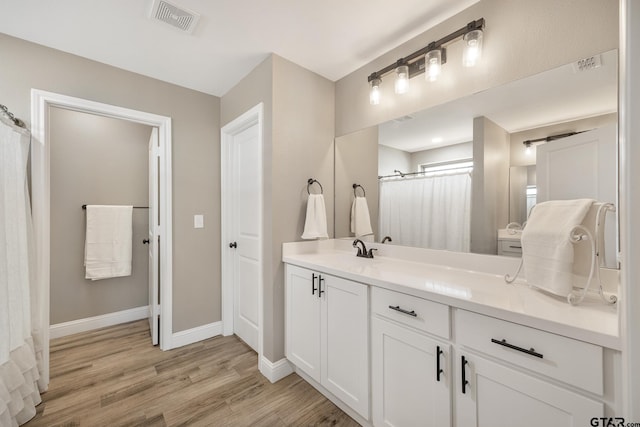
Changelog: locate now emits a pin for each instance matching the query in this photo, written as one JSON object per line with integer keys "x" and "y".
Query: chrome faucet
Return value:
{"x": 362, "y": 252}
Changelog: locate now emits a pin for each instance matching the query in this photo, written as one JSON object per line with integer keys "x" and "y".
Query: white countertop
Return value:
{"x": 466, "y": 281}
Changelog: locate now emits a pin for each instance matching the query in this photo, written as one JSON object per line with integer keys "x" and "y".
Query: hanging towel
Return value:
{"x": 107, "y": 249}
{"x": 547, "y": 252}
{"x": 315, "y": 224}
{"x": 360, "y": 221}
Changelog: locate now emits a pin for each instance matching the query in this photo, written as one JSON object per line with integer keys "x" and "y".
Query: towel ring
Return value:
{"x": 355, "y": 187}
{"x": 310, "y": 181}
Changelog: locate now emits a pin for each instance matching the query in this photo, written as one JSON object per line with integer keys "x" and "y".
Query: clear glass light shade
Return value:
{"x": 402, "y": 79}
{"x": 374, "y": 92}
{"x": 472, "y": 48}
{"x": 433, "y": 64}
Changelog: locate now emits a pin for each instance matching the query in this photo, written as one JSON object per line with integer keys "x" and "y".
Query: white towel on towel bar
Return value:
{"x": 360, "y": 220}
{"x": 547, "y": 252}
{"x": 108, "y": 241}
{"x": 315, "y": 224}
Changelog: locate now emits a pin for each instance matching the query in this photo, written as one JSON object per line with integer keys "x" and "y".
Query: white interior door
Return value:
{"x": 245, "y": 151}
{"x": 582, "y": 166}
{"x": 153, "y": 238}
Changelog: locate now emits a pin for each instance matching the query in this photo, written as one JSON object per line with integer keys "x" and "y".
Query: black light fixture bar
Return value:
{"x": 415, "y": 61}
{"x": 528, "y": 142}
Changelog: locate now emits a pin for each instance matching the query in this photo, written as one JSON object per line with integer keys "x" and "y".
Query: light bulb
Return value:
{"x": 472, "y": 48}
{"x": 433, "y": 64}
{"x": 527, "y": 150}
{"x": 374, "y": 93}
{"x": 402, "y": 79}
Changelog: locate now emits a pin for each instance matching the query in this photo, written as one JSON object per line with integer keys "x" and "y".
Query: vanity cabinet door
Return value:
{"x": 345, "y": 341}
{"x": 327, "y": 333}
{"x": 496, "y": 396}
{"x": 411, "y": 377}
{"x": 302, "y": 320}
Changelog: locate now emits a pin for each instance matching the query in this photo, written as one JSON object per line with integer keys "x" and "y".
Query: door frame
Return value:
{"x": 41, "y": 101}
{"x": 250, "y": 118}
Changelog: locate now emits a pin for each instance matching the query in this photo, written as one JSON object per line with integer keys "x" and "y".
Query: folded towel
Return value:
{"x": 107, "y": 249}
{"x": 547, "y": 252}
{"x": 315, "y": 224}
{"x": 360, "y": 221}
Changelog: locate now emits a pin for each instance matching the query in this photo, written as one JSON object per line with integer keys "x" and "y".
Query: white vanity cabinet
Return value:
{"x": 510, "y": 391}
{"x": 410, "y": 370}
{"x": 327, "y": 333}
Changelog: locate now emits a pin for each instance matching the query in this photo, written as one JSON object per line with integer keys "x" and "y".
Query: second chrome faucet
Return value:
{"x": 362, "y": 251}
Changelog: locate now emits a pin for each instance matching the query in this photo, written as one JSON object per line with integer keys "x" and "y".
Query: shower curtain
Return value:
{"x": 429, "y": 211}
{"x": 20, "y": 315}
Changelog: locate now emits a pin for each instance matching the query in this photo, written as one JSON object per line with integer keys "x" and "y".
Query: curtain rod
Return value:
{"x": 13, "y": 118}
{"x": 84, "y": 207}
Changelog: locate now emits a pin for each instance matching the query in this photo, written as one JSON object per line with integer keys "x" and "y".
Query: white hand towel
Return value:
{"x": 107, "y": 249}
{"x": 315, "y": 224}
{"x": 360, "y": 220}
{"x": 547, "y": 252}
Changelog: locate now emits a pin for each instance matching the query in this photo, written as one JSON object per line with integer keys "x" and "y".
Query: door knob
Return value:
{"x": 233, "y": 245}
{"x": 146, "y": 241}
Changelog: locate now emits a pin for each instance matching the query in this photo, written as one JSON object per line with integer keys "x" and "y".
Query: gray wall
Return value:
{"x": 196, "y": 155}
{"x": 356, "y": 161}
{"x": 95, "y": 160}
{"x": 298, "y": 144}
{"x": 391, "y": 159}
{"x": 522, "y": 38}
{"x": 490, "y": 185}
{"x": 442, "y": 154}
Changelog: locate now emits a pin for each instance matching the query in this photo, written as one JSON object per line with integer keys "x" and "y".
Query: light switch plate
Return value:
{"x": 198, "y": 221}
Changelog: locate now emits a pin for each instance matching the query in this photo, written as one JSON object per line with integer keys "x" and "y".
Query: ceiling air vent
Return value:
{"x": 587, "y": 63}
{"x": 178, "y": 17}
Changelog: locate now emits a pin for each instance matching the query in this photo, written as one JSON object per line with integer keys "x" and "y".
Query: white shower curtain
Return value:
{"x": 20, "y": 315}
{"x": 429, "y": 211}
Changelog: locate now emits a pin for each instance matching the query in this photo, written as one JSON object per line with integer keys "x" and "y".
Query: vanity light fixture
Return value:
{"x": 472, "y": 48}
{"x": 374, "y": 93}
{"x": 533, "y": 142}
{"x": 429, "y": 60}
{"x": 527, "y": 149}
{"x": 433, "y": 62}
{"x": 402, "y": 78}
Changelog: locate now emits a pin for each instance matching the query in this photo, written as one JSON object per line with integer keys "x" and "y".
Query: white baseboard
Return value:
{"x": 90, "y": 323}
{"x": 275, "y": 371}
{"x": 196, "y": 334}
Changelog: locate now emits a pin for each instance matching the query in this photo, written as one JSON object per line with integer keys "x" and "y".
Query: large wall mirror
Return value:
{"x": 452, "y": 176}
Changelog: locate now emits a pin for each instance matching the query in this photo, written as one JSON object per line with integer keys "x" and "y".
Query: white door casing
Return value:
{"x": 242, "y": 238}
{"x": 41, "y": 101}
{"x": 152, "y": 238}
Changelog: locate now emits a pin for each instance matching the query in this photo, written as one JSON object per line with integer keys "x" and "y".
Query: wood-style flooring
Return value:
{"x": 115, "y": 377}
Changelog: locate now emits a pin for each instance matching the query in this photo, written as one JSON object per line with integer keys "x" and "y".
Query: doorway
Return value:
{"x": 41, "y": 103}
{"x": 242, "y": 229}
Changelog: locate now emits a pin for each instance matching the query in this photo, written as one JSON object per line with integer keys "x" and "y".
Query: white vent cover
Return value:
{"x": 177, "y": 17}
{"x": 587, "y": 63}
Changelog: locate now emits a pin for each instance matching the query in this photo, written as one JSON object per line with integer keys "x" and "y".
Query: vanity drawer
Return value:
{"x": 510, "y": 247}
{"x": 412, "y": 311}
{"x": 565, "y": 359}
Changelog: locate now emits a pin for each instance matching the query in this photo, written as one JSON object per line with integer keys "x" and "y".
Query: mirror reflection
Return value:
{"x": 456, "y": 176}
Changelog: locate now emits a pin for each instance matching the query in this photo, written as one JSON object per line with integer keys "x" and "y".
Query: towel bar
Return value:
{"x": 310, "y": 181}
{"x": 355, "y": 186}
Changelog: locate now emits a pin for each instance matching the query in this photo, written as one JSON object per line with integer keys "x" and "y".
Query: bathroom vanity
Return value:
{"x": 436, "y": 338}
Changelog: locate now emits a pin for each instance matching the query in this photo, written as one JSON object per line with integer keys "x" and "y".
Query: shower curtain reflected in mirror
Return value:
{"x": 20, "y": 314}
{"x": 429, "y": 211}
